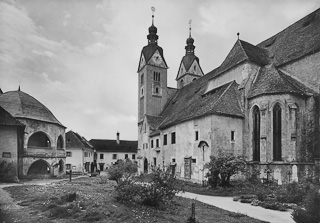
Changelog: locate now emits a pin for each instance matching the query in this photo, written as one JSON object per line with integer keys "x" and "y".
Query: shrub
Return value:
{"x": 122, "y": 169}
{"x": 311, "y": 213}
{"x": 222, "y": 167}
{"x": 292, "y": 193}
{"x": 159, "y": 190}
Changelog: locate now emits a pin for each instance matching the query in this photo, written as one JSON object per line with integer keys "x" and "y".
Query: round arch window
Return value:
{"x": 39, "y": 139}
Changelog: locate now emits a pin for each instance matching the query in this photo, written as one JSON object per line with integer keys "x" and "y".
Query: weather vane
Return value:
{"x": 153, "y": 10}
{"x": 190, "y": 21}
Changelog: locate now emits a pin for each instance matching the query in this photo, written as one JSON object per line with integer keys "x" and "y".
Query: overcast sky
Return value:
{"x": 80, "y": 58}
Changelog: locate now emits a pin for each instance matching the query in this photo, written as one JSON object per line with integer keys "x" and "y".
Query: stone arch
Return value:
{"x": 39, "y": 167}
{"x": 145, "y": 165}
{"x": 61, "y": 166}
{"x": 60, "y": 142}
{"x": 39, "y": 139}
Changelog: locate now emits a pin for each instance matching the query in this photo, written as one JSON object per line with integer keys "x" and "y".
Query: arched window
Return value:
{"x": 256, "y": 133}
{"x": 277, "y": 132}
{"x": 156, "y": 76}
{"x": 194, "y": 79}
{"x": 157, "y": 90}
{"x": 39, "y": 139}
{"x": 60, "y": 142}
{"x": 181, "y": 84}
{"x": 141, "y": 79}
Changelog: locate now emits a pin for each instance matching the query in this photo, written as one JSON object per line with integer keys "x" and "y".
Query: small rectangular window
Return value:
{"x": 114, "y": 156}
{"x": 101, "y": 156}
{"x": 173, "y": 160}
{"x": 68, "y": 166}
{"x": 85, "y": 154}
{"x": 194, "y": 160}
{"x": 232, "y": 135}
{"x": 126, "y": 156}
{"x": 6, "y": 155}
{"x": 173, "y": 138}
{"x": 157, "y": 143}
{"x": 152, "y": 143}
{"x": 154, "y": 161}
{"x": 165, "y": 139}
{"x": 196, "y": 135}
{"x": 69, "y": 154}
{"x": 133, "y": 156}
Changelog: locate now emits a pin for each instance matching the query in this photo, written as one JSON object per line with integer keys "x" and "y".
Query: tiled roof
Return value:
{"x": 7, "y": 119}
{"x": 189, "y": 102}
{"x": 104, "y": 145}
{"x": 272, "y": 81}
{"x": 154, "y": 121}
{"x": 149, "y": 50}
{"x": 74, "y": 140}
{"x": 22, "y": 105}
{"x": 298, "y": 40}
{"x": 243, "y": 51}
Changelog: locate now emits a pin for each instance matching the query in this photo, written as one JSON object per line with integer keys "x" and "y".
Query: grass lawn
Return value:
{"x": 92, "y": 200}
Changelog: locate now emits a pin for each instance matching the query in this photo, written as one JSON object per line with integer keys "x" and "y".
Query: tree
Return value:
{"x": 222, "y": 167}
{"x": 122, "y": 169}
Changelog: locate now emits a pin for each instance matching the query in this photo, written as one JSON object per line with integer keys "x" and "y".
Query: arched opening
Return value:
{"x": 61, "y": 166}
{"x": 60, "y": 142}
{"x": 194, "y": 79}
{"x": 277, "y": 132}
{"x": 39, "y": 139}
{"x": 256, "y": 133}
{"x": 39, "y": 167}
{"x": 145, "y": 165}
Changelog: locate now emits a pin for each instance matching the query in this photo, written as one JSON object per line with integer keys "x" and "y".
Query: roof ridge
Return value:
{"x": 245, "y": 52}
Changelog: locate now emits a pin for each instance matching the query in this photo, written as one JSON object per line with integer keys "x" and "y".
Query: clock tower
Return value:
{"x": 152, "y": 77}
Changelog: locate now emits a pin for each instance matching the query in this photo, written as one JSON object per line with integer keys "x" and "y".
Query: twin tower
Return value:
{"x": 153, "y": 90}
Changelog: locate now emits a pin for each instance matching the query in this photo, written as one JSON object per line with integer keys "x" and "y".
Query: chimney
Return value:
{"x": 118, "y": 138}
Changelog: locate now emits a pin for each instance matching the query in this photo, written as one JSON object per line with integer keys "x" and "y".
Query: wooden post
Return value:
{"x": 70, "y": 175}
{"x": 193, "y": 211}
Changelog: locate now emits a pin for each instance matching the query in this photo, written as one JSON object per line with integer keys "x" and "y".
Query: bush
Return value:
{"x": 222, "y": 167}
{"x": 122, "y": 169}
{"x": 292, "y": 193}
{"x": 159, "y": 190}
{"x": 311, "y": 213}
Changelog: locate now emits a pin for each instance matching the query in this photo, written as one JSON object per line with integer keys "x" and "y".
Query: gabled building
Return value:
{"x": 39, "y": 149}
{"x": 108, "y": 152}
{"x": 262, "y": 102}
{"x": 79, "y": 153}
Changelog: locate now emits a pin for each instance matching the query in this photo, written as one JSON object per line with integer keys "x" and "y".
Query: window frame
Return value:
{"x": 173, "y": 138}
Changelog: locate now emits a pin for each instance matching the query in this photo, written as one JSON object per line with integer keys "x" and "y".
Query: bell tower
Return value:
{"x": 189, "y": 69}
{"x": 152, "y": 76}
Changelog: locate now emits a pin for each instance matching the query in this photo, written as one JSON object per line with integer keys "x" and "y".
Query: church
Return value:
{"x": 262, "y": 102}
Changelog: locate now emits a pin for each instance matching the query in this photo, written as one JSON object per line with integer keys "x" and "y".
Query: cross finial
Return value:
{"x": 190, "y": 21}
{"x": 238, "y": 34}
{"x": 153, "y": 10}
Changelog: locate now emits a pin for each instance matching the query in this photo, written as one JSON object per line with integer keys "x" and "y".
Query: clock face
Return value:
{"x": 156, "y": 58}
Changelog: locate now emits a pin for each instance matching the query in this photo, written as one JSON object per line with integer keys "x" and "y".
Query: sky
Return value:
{"x": 80, "y": 58}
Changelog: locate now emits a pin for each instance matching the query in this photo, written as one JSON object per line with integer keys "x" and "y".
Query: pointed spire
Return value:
{"x": 190, "y": 47}
{"x": 152, "y": 37}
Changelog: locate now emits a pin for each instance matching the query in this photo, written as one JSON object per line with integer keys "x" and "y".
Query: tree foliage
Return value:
{"x": 123, "y": 168}
{"x": 5, "y": 168}
{"x": 222, "y": 167}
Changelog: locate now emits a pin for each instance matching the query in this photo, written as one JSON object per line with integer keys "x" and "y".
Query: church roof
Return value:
{"x": 74, "y": 140}
{"x": 149, "y": 50}
{"x": 298, "y": 40}
{"x": 7, "y": 119}
{"x": 154, "y": 121}
{"x": 22, "y": 105}
{"x": 190, "y": 102}
{"x": 273, "y": 81}
{"x": 240, "y": 52}
{"x": 105, "y": 145}
{"x": 187, "y": 61}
